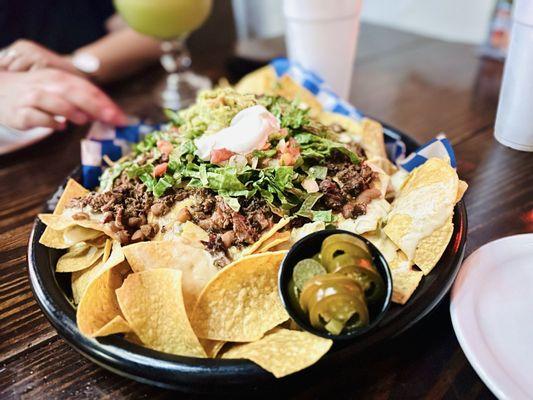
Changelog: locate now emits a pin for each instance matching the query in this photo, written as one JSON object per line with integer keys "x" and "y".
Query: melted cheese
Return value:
{"x": 429, "y": 207}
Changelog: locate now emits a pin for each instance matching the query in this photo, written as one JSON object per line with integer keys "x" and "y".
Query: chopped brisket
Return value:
{"x": 212, "y": 214}
{"x": 125, "y": 208}
{"x": 344, "y": 184}
{"x": 217, "y": 248}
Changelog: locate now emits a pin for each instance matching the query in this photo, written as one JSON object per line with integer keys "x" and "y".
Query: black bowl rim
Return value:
{"x": 207, "y": 375}
{"x": 283, "y": 277}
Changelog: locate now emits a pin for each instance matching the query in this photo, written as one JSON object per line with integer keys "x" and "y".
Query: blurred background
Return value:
{"x": 260, "y": 24}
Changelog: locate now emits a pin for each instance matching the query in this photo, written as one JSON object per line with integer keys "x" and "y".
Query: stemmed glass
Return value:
{"x": 171, "y": 21}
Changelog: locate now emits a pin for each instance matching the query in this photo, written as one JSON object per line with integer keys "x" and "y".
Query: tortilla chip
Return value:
{"x": 63, "y": 222}
{"x": 384, "y": 163}
{"x": 107, "y": 249}
{"x": 274, "y": 241}
{"x": 261, "y": 81}
{"x": 72, "y": 190}
{"x": 430, "y": 249}
{"x": 241, "y": 302}
{"x": 405, "y": 279}
{"x": 81, "y": 281}
{"x": 372, "y": 139}
{"x": 424, "y": 204}
{"x": 387, "y": 248}
{"x": 53, "y": 239}
{"x": 116, "y": 325}
{"x": 254, "y": 247}
{"x": 99, "y": 242}
{"x": 285, "y": 246}
{"x": 99, "y": 306}
{"x": 265, "y": 81}
{"x": 212, "y": 347}
{"x": 463, "y": 186}
{"x": 290, "y": 89}
{"x": 351, "y": 126}
{"x": 381, "y": 182}
{"x": 152, "y": 303}
{"x": 195, "y": 263}
{"x": 193, "y": 233}
{"x": 306, "y": 229}
{"x": 133, "y": 338}
{"x": 68, "y": 237}
{"x": 282, "y": 352}
{"x": 76, "y": 234}
{"x": 79, "y": 258}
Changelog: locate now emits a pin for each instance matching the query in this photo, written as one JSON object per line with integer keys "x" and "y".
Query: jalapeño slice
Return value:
{"x": 304, "y": 270}
{"x": 343, "y": 245}
{"x": 331, "y": 300}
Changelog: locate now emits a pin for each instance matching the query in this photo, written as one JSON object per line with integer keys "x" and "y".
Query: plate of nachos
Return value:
{"x": 167, "y": 271}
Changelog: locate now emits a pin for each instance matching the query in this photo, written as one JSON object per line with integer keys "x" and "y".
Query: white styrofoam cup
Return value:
{"x": 514, "y": 119}
{"x": 322, "y": 36}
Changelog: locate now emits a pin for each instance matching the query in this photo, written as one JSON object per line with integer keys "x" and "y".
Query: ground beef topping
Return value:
{"x": 344, "y": 184}
{"x": 228, "y": 227}
{"x": 125, "y": 209}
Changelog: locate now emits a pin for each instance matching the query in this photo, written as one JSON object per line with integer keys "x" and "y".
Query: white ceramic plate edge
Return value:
{"x": 486, "y": 365}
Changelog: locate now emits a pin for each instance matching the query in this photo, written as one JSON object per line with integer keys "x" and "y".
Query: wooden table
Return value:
{"x": 421, "y": 86}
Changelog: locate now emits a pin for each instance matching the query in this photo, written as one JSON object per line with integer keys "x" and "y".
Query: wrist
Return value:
{"x": 84, "y": 64}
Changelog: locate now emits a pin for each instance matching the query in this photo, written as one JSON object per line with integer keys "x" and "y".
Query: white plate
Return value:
{"x": 492, "y": 315}
{"x": 12, "y": 140}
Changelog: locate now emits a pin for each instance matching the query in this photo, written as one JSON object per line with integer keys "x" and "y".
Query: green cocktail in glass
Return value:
{"x": 171, "y": 21}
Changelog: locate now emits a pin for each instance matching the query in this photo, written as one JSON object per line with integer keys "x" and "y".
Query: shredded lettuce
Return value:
{"x": 233, "y": 202}
{"x": 317, "y": 172}
{"x": 324, "y": 216}
{"x": 317, "y": 147}
{"x": 289, "y": 113}
{"x": 279, "y": 186}
{"x": 264, "y": 153}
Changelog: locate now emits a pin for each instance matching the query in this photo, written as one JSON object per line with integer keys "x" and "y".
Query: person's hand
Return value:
{"x": 25, "y": 55}
{"x": 42, "y": 97}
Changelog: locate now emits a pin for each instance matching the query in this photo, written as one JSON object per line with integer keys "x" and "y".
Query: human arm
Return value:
{"x": 118, "y": 54}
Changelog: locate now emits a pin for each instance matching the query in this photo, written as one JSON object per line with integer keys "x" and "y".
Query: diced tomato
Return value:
{"x": 160, "y": 169}
{"x": 164, "y": 146}
{"x": 294, "y": 147}
{"x": 219, "y": 155}
{"x": 290, "y": 151}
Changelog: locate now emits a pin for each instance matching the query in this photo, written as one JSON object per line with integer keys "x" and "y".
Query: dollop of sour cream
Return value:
{"x": 248, "y": 131}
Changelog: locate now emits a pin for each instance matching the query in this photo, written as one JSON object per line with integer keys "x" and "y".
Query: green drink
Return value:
{"x": 164, "y": 19}
{"x": 170, "y": 21}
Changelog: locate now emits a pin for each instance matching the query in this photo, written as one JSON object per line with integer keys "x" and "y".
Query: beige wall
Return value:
{"x": 455, "y": 20}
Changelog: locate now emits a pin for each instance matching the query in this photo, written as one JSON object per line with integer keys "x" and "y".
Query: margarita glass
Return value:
{"x": 171, "y": 21}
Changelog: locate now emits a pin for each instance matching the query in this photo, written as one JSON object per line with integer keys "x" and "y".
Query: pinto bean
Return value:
{"x": 183, "y": 215}
{"x": 134, "y": 222}
{"x": 158, "y": 209}
{"x": 80, "y": 216}
{"x": 137, "y": 236}
{"x": 227, "y": 239}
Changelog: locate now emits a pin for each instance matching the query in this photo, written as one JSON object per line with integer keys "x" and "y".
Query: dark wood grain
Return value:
{"x": 419, "y": 85}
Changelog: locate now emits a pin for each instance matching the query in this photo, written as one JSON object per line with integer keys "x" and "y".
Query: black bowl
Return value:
{"x": 307, "y": 247}
{"x": 52, "y": 292}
